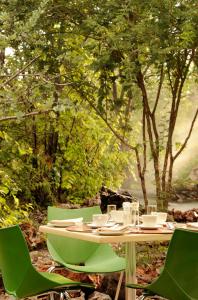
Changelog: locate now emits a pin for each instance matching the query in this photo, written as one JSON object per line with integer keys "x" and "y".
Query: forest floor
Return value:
{"x": 105, "y": 285}
{"x": 150, "y": 261}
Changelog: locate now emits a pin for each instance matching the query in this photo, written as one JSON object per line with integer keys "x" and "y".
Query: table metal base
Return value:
{"x": 130, "y": 269}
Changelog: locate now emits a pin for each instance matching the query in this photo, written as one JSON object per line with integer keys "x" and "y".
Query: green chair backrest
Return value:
{"x": 72, "y": 251}
{"x": 182, "y": 260}
{"x": 181, "y": 265}
{"x": 14, "y": 257}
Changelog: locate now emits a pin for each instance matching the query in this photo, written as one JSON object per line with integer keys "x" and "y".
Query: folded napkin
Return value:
{"x": 67, "y": 222}
{"x": 113, "y": 229}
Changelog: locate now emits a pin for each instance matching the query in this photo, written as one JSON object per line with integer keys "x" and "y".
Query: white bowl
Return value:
{"x": 149, "y": 220}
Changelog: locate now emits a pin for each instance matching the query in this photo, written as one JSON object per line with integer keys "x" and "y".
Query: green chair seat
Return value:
{"x": 179, "y": 277}
{"x": 78, "y": 255}
{"x": 104, "y": 260}
{"x": 20, "y": 278}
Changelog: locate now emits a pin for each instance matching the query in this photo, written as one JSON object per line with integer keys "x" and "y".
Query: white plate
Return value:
{"x": 150, "y": 227}
{"x": 56, "y": 225}
{"x": 92, "y": 225}
{"x": 66, "y": 222}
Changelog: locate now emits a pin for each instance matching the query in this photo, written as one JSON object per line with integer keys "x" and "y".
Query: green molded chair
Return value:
{"x": 179, "y": 278}
{"x": 82, "y": 256}
{"x": 20, "y": 278}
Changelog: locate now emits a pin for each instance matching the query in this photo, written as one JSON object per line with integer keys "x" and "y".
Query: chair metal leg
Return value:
{"x": 119, "y": 285}
{"x": 66, "y": 295}
{"x": 51, "y": 269}
{"x": 51, "y": 296}
{"x": 142, "y": 297}
{"x": 61, "y": 296}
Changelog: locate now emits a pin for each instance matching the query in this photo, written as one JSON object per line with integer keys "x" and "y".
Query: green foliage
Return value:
{"x": 76, "y": 65}
{"x": 11, "y": 210}
{"x": 73, "y": 156}
{"x": 89, "y": 158}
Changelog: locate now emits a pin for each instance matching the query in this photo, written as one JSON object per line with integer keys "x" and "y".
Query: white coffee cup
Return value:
{"x": 161, "y": 217}
{"x": 100, "y": 219}
{"x": 117, "y": 216}
{"x": 149, "y": 220}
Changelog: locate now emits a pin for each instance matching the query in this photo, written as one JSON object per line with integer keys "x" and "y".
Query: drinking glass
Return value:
{"x": 126, "y": 217}
{"x": 134, "y": 217}
{"x": 126, "y": 205}
{"x": 151, "y": 209}
{"x": 110, "y": 208}
{"x": 135, "y": 213}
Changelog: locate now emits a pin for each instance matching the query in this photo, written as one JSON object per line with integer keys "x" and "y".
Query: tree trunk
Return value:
{"x": 141, "y": 175}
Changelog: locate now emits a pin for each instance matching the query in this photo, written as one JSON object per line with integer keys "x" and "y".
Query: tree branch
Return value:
{"x": 34, "y": 113}
{"x": 159, "y": 89}
{"x": 144, "y": 140}
{"x": 121, "y": 138}
{"x": 20, "y": 71}
{"x": 176, "y": 89}
{"x": 188, "y": 136}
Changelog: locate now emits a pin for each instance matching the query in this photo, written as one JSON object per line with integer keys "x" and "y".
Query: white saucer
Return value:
{"x": 150, "y": 227}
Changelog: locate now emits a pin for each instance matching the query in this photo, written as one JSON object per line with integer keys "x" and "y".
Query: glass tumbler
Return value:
{"x": 127, "y": 217}
{"x": 126, "y": 213}
{"x": 110, "y": 208}
{"x": 135, "y": 213}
